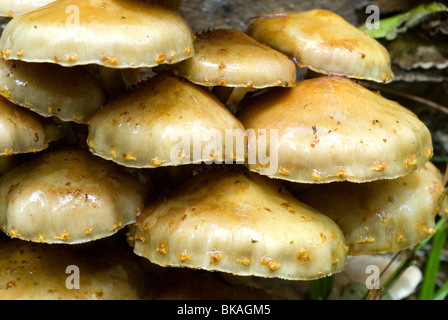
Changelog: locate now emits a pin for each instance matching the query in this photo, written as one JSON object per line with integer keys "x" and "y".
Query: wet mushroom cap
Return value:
{"x": 324, "y": 42}
{"x": 21, "y": 130}
{"x": 230, "y": 58}
{"x": 35, "y": 271}
{"x": 12, "y": 8}
{"x": 164, "y": 121}
{"x": 381, "y": 216}
{"x": 69, "y": 94}
{"x": 110, "y": 33}
{"x": 331, "y": 129}
{"x": 68, "y": 196}
{"x": 231, "y": 220}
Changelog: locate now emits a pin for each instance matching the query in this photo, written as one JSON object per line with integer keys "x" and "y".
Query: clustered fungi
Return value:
{"x": 93, "y": 103}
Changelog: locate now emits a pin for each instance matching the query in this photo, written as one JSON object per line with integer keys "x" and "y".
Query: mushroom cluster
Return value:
{"x": 206, "y": 153}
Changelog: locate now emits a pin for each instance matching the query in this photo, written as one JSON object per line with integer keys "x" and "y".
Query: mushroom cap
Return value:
{"x": 68, "y": 196}
{"x": 164, "y": 121}
{"x": 111, "y": 33}
{"x": 12, "y": 8}
{"x": 332, "y": 129}
{"x": 70, "y": 94}
{"x": 35, "y": 271}
{"x": 324, "y": 42}
{"x": 381, "y": 216}
{"x": 22, "y": 131}
{"x": 230, "y": 58}
{"x": 231, "y": 220}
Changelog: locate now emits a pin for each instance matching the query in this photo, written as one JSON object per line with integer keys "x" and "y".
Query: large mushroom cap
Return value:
{"x": 70, "y": 94}
{"x": 12, "y": 8}
{"x": 68, "y": 196}
{"x": 164, "y": 121}
{"x": 228, "y": 57}
{"x": 324, "y": 42}
{"x": 231, "y": 220}
{"x": 111, "y": 33}
{"x": 34, "y": 271}
{"x": 331, "y": 129}
{"x": 381, "y": 216}
{"x": 22, "y": 131}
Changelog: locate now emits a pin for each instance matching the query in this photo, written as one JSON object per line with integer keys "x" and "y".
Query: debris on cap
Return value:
{"x": 164, "y": 121}
{"x": 381, "y": 216}
{"x": 34, "y": 271}
{"x": 324, "y": 42}
{"x": 230, "y": 58}
{"x": 230, "y": 220}
{"x": 108, "y": 33}
{"x": 68, "y": 196}
{"x": 23, "y": 131}
{"x": 69, "y": 94}
{"x": 330, "y": 129}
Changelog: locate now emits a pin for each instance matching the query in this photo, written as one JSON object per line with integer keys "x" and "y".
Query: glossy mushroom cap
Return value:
{"x": 35, "y": 271}
{"x": 12, "y": 8}
{"x": 381, "y": 216}
{"x": 68, "y": 196}
{"x": 231, "y": 220}
{"x": 331, "y": 129}
{"x": 22, "y": 131}
{"x": 110, "y": 33}
{"x": 70, "y": 94}
{"x": 230, "y": 58}
{"x": 324, "y": 42}
{"x": 164, "y": 121}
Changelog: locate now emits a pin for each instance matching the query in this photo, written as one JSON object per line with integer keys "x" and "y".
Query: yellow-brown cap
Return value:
{"x": 381, "y": 216}
{"x": 231, "y": 220}
{"x": 23, "y": 131}
{"x": 325, "y": 42}
{"x": 230, "y": 58}
{"x": 35, "y": 271}
{"x": 69, "y": 94}
{"x": 12, "y": 8}
{"x": 331, "y": 129}
{"x": 111, "y": 33}
{"x": 164, "y": 121}
{"x": 68, "y": 196}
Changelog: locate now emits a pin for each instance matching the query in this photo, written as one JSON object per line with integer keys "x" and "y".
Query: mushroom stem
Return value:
{"x": 222, "y": 93}
{"x": 113, "y": 80}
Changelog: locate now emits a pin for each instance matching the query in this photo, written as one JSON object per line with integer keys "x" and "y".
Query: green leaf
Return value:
{"x": 389, "y": 28}
{"x": 432, "y": 264}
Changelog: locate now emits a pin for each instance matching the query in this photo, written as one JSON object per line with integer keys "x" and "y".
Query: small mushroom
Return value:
{"x": 164, "y": 121}
{"x": 230, "y": 220}
{"x": 34, "y": 271}
{"x": 23, "y": 131}
{"x": 381, "y": 216}
{"x": 69, "y": 94}
{"x": 228, "y": 58}
{"x": 109, "y": 33}
{"x": 331, "y": 129}
{"x": 68, "y": 196}
{"x": 12, "y": 8}
{"x": 324, "y": 42}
